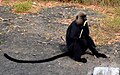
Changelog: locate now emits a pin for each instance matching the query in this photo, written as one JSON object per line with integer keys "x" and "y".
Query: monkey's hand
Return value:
{"x": 100, "y": 55}
{"x": 83, "y": 60}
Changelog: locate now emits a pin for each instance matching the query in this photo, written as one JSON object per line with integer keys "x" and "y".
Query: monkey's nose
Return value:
{"x": 85, "y": 18}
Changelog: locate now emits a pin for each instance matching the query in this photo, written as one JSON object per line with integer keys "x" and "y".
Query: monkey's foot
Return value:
{"x": 100, "y": 55}
{"x": 83, "y": 60}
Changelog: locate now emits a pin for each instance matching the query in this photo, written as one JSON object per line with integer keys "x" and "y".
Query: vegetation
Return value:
{"x": 114, "y": 20}
{"x": 101, "y": 2}
{"x": 110, "y": 26}
{"x": 96, "y": 2}
{"x": 22, "y": 6}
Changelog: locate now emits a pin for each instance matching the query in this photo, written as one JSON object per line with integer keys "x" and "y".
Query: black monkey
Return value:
{"x": 78, "y": 39}
{"x": 76, "y": 45}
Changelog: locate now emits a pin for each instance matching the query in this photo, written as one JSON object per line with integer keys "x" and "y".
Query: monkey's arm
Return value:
{"x": 91, "y": 43}
{"x": 87, "y": 37}
{"x": 73, "y": 33}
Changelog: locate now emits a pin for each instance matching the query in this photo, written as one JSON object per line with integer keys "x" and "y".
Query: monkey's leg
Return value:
{"x": 93, "y": 50}
{"x": 96, "y": 53}
{"x": 78, "y": 52}
{"x": 91, "y": 45}
{"x": 90, "y": 41}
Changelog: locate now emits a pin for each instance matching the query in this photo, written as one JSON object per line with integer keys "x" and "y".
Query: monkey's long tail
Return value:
{"x": 35, "y": 61}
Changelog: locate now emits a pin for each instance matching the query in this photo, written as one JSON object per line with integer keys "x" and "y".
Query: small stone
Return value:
{"x": 49, "y": 65}
{"x": 16, "y": 52}
{"x": 116, "y": 51}
{"x": 34, "y": 3}
{"x": 1, "y": 18}
{"x": 34, "y": 54}
{"x": 20, "y": 17}
{"x": 108, "y": 55}
{"x": 41, "y": 52}
{"x": 22, "y": 33}
{"x": 49, "y": 21}
{"x": 59, "y": 63}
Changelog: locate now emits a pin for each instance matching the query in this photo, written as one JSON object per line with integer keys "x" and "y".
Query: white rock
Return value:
{"x": 106, "y": 71}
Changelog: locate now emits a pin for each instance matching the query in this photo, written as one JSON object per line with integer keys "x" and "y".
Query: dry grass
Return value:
{"x": 105, "y": 33}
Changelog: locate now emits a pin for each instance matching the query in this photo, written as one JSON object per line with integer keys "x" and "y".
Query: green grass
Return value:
{"x": 114, "y": 24}
{"x": 117, "y": 10}
{"x": 22, "y": 6}
{"x": 117, "y": 21}
{"x": 114, "y": 21}
{"x": 2, "y": 42}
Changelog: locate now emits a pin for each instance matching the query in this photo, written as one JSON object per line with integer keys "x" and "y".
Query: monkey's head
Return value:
{"x": 80, "y": 18}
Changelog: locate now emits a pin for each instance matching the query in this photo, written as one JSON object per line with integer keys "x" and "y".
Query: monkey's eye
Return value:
{"x": 84, "y": 18}
{"x": 76, "y": 17}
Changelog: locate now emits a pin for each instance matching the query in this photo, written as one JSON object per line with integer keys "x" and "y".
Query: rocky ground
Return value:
{"x": 38, "y": 36}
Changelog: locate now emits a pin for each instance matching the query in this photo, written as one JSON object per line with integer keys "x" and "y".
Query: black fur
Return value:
{"x": 80, "y": 45}
{"x": 35, "y": 61}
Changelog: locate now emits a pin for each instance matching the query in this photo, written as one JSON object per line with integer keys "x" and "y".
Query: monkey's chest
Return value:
{"x": 78, "y": 32}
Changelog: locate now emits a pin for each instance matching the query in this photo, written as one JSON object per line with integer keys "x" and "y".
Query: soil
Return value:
{"x": 38, "y": 36}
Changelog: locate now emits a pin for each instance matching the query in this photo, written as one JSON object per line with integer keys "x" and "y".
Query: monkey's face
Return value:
{"x": 84, "y": 18}
{"x": 80, "y": 19}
